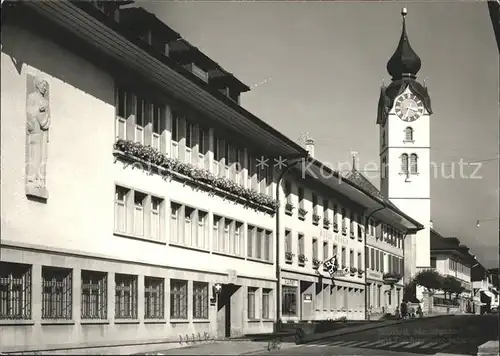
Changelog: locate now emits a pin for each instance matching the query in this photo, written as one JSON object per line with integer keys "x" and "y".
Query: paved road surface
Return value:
{"x": 460, "y": 335}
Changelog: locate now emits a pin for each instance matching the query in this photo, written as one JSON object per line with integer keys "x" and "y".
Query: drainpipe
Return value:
{"x": 292, "y": 163}
{"x": 367, "y": 219}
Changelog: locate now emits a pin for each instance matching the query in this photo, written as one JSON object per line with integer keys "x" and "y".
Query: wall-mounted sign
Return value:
{"x": 290, "y": 282}
{"x": 307, "y": 298}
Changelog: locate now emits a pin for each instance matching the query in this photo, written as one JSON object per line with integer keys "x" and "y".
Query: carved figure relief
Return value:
{"x": 37, "y": 135}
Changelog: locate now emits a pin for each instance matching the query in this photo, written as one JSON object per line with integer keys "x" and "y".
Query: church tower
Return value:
{"x": 404, "y": 119}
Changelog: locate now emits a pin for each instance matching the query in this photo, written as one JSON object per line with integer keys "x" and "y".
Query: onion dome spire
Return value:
{"x": 404, "y": 62}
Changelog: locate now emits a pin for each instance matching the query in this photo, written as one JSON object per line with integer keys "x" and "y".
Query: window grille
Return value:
{"x": 15, "y": 291}
{"x": 57, "y": 300}
{"x": 154, "y": 301}
{"x": 200, "y": 300}
{"x": 125, "y": 296}
{"x": 94, "y": 295}
{"x": 178, "y": 299}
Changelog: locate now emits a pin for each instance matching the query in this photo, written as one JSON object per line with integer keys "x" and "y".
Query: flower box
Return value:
{"x": 316, "y": 218}
{"x": 289, "y": 208}
{"x": 360, "y": 272}
{"x": 316, "y": 263}
{"x": 289, "y": 257}
{"x": 167, "y": 167}
{"x": 302, "y": 258}
{"x": 326, "y": 223}
{"x": 335, "y": 227}
{"x": 353, "y": 270}
{"x": 352, "y": 234}
{"x": 391, "y": 278}
{"x": 344, "y": 230}
{"x": 302, "y": 213}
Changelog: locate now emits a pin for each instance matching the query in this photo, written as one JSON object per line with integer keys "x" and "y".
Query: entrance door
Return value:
{"x": 224, "y": 310}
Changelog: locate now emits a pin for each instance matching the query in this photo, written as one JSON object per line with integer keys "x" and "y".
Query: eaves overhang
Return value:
{"x": 380, "y": 209}
{"x": 168, "y": 76}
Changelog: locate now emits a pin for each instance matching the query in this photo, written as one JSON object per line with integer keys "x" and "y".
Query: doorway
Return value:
{"x": 224, "y": 310}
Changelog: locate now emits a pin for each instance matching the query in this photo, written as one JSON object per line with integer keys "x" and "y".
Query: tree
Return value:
{"x": 410, "y": 292}
{"x": 451, "y": 286}
{"x": 430, "y": 279}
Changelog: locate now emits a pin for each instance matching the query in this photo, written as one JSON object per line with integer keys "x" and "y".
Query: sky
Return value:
{"x": 327, "y": 61}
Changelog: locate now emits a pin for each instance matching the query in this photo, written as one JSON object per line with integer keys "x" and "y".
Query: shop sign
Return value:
{"x": 375, "y": 275}
{"x": 290, "y": 282}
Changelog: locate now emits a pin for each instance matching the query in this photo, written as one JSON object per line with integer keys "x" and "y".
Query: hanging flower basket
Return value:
{"x": 316, "y": 219}
{"x": 154, "y": 159}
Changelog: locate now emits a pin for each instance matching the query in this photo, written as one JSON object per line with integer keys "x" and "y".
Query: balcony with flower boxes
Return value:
{"x": 302, "y": 214}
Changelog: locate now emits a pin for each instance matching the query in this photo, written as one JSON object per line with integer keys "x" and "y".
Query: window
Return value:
{"x": 351, "y": 258}
{"x": 137, "y": 213}
{"x": 200, "y": 300}
{"x": 178, "y": 299}
{"x": 301, "y": 244}
{"x": 175, "y": 212}
{"x": 301, "y": 197}
{"x": 413, "y": 164}
{"x": 385, "y": 168}
{"x": 251, "y": 302}
{"x": 404, "y": 163}
{"x": 359, "y": 261}
{"x": 266, "y": 304}
{"x": 343, "y": 219}
{"x": 315, "y": 248}
{"x": 352, "y": 224}
{"x": 408, "y": 134}
{"x": 335, "y": 212}
{"x": 57, "y": 298}
{"x": 325, "y": 208}
{"x": 94, "y": 303}
{"x": 125, "y": 296}
{"x": 121, "y": 209}
{"x": 372, "y": 259}
{"x": 315, "y": 204}
{"x": 367, "y": 257}
{"x": 288, "y": 241}
{"x": 325, "y": 251}
{"x": 15, "y": 291}
{"x": 154, "y": 290}
{"x": 259, "y": 243}
{"x": 383, "y": 139}
{"x": 289, "y": 301}
{"x": 377, "y": 261}
{"x": 343, "y": 256}
{"x": 381, "y": 258}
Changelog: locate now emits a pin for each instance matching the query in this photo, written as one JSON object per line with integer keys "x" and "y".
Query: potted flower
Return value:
{"x": 302, "y": 213}
{"x": 302, "y": 259}
{"x": 352, "y": 234}
{"x": 289, "y": 208}
{"x": 344, "y": 230}
{"x": 316, "y": 263}
{"x": 289, "y": 257}
{"x": 316, "y": 219}
{"x": 353, "y": 270}
{"x": 335, "y": 227}
{"x": 326, "y": 222}
{"x": 360, "y": 272}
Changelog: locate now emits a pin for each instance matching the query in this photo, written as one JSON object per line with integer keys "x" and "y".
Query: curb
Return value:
{"x": 347, "y": 332}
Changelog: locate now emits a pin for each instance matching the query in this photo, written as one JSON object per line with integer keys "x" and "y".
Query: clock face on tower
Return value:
{"x": 409, "y": 107}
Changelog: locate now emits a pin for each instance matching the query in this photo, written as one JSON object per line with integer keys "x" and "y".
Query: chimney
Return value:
{"x": 310, "y": 147}
{"x": 432, "y": 224}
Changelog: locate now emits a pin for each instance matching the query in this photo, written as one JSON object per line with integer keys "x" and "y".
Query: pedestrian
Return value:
{"x": 396, "y": 313}
{"x": 419, "y": 311}
{"x": 404, "y": 309}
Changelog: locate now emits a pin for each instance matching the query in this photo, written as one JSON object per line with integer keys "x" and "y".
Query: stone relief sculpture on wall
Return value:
{"x": 37, "y": 135}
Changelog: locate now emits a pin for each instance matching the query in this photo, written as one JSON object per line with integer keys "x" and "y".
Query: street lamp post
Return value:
{"x": 290, "y": 164}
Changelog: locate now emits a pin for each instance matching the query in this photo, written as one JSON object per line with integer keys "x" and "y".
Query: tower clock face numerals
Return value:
{"x": 409, "y": 107}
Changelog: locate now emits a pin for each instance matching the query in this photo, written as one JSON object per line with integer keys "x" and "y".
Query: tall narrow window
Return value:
{"x": 413, "y": 163}
{"x": 288, "y": 192}
{"x": 175, "y": 210}
{"x": 178, "y": 299}
{"x": 155, "y": 217}
{"x": 250, "y": 238}
{"x": 315, "y": 204}
{"x": 121, "y": 209}
{"x": 251, "y": 302}
{"x": 301, "y": 197}
{"x": 288, "y": 241}
{"x": 408, "y": 134}
{"x": 139, "y": 199}
{"x": 200, "y": 300}
{"x": 266, "y": 304}
{"x": 57, "y": 299}
{"x": 383, "y": 139}
{"x": 94, "y": 300}
{"x": 153, "y": 298}
{"x": 125, "y": 296}
{"x": 404, "y": 163}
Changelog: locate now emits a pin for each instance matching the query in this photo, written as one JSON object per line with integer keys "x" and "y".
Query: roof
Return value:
{"x": 449, "y": 246}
